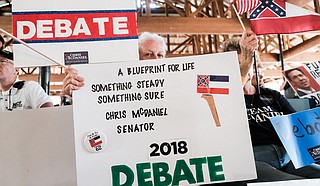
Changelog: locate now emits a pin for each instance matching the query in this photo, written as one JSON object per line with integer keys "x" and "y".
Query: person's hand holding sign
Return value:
{"x": 71, "y": 82}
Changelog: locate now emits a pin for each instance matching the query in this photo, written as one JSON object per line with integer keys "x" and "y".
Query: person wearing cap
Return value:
{"x": 271, "y": 159}
{"x": 15, "y": 94}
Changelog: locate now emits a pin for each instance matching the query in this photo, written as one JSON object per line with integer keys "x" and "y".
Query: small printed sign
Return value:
{"x": 71, "y": 58}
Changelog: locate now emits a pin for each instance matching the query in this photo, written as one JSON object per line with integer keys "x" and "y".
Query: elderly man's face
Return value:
{"x": 151, "y": 49}
{"x": 298, "y": 79}
{"x": 7, "y": 69}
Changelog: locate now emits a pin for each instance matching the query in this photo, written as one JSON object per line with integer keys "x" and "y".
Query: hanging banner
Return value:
{"x": 74, "y": 32}
{"x": 177, "y": 121}
{"x": 300, "y": 135}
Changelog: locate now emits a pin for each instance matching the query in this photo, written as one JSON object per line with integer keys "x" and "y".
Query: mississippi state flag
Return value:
{"x": 278, "y": 17}
{"x": 95, "y": 141}
{"x": 212, "y": 84}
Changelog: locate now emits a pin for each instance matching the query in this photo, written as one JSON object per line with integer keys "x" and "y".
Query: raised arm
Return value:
{"x": 248, "y": 44}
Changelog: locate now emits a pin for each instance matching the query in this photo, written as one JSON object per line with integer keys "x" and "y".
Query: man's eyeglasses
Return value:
{"x": 6, "y": 61}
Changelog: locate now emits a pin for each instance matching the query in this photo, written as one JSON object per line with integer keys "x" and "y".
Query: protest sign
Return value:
{"x": 74, "y": 31}
{"x": 304, "y": 182}
{"x": 305, "y": 80}
{"x": 177, "y": 121}
{"x": 37, "y": 147}
{"x": 300, "y": 135}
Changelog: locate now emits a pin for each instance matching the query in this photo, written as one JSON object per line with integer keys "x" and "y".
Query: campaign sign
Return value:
{"x": 304, "y": 182}
{"x": 74, "y": 31}
{"x": 305, "y": 80}
{"x": 177, "y": 121}
{"x": 300, "y": 135}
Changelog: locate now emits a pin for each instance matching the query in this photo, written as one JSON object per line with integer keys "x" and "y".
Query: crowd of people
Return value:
{"x": 271, "y": 159}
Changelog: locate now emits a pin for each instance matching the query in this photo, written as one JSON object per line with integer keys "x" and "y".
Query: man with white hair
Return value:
{"x": 151, "y": 46}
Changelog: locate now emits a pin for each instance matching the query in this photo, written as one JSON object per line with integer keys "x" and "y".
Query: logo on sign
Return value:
{"x": 95, "y": 141}
{"x": 71, "y": 58}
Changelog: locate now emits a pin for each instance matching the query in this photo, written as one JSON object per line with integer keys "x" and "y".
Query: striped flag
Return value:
{"x": 95, "y": 141}
{"x": 245, "y": 5}
{"x": 279, "y": 17}
{"x": 208, "y": 84}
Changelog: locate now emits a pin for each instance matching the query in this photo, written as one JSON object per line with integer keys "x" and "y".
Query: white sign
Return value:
{"x": 178, "y": 121}
{"x": 74, "y": 31}
{"x": 305, "y": 182}
{"x": 37, "y": 147}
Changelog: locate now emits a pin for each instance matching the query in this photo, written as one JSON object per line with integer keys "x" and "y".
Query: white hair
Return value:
{"x": 147, "y": 35}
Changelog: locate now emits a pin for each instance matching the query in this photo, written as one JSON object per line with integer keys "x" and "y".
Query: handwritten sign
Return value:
{"x": 74, "y": 32}
{"x": 300, "y": 135}
{"x": 146, "y": 122}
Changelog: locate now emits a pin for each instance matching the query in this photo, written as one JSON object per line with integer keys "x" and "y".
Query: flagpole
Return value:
{"x": 238, "y": 16}
{"x": 28, "y": 46}
{"x": 254, "y": 53}
{"x": 280, "y": 53}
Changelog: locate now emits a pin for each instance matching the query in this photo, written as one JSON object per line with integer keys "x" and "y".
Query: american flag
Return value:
{"x": 245, "y": 5}
{"x": 204, "y": 84}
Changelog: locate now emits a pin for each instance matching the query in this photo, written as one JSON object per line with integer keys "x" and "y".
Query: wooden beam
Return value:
{"x": 34, "y": 77}
{"x": 6, "y": 23}
{"x": 174, "y": 25}
{"x": 201, "y": 7}
{"x": 298, "y": 49}
{"x": 179, "y": 11}
{"x": 189, "y": 25}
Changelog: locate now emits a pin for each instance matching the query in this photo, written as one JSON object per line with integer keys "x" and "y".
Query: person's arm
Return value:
{"x": 47, "y": 104}
{"x": 248, "y": 44}
{"x": 71, "y": 82}
{"x": 36, "y": 96}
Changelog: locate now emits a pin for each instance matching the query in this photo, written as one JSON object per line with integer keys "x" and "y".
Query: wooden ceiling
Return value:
{"x": 198, "y": 27}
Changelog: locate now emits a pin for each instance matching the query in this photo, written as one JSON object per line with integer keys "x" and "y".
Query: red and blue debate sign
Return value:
{"x": 72, "y": 26}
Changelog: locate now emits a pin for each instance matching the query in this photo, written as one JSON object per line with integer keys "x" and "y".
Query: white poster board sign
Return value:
{"x": 37, "y": 148}
{"x": 178, "y": 121}
{"x": 305, "y": 182}
{"x": 74, "y": 31}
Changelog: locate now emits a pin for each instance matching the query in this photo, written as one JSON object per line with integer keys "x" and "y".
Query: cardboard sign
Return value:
{"x": 177, "y": 121}
{"x": 74, "y": 32}
{"x": 300, "y": 135}
{"x": 305, "y": 80}
{"x": 37, "y": 147}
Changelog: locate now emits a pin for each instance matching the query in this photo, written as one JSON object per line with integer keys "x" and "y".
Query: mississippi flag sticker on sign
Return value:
{"x": 208, "y": 84}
